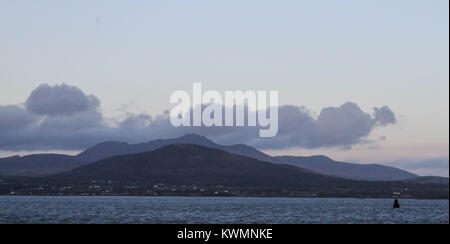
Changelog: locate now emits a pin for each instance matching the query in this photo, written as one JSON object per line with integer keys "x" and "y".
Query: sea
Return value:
{"x": 210, "y": 210}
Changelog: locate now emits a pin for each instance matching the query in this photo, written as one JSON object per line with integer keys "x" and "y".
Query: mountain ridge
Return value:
{"x": 318, "y": 164}
{"x": 328, "y": 166}
{"x": 196, "y": 164}
{"x": 370, "y": 172}
{"x": 195, "y": 170}
{"x": 37, "y": 164}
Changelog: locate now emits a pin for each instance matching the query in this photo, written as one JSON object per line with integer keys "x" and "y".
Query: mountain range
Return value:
{"x": 195, "y": 170}
{"x": 48, "y": 164}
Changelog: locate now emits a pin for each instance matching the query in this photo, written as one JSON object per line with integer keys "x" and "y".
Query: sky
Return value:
{"x": 130, "y": 56}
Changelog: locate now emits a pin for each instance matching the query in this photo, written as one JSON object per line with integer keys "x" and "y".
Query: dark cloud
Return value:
{"x": 340, "y": 127}
{"x": 60, "y": 100}
{"x": 79, "y": 121}
{"x": 14, "y": 117}
{"x": 384, "y": 116}
{"x": 136, "y": 121}
{"x": 63, "y": 117}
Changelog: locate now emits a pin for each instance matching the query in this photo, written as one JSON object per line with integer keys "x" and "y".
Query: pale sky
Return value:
{"x": 133, "y": 54}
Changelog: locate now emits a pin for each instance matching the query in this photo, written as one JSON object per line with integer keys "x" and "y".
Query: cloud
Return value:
{"x": 60, "y": 100}
{"x": 136, "y": 121}
{"x": 345, "y": 125}
{"x": 339, "y": 127}
{"x": 384, "y": 116}
{"x": 13, "y": 117}
{"x": 75, "y": 122}
{"x": 65, "y": 118}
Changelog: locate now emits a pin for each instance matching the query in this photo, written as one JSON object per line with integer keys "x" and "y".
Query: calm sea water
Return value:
{"x": 179, "y": 210}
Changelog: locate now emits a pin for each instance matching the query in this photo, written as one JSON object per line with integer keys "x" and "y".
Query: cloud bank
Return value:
{"x": 63, "y": 117}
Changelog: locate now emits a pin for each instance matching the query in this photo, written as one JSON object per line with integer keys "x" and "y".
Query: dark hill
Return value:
{"x": 318, "y": 164}
{"x": 429, "y": 180}
{"x": 51, "y": 164}
{"x": 327, "y": 166}
{"x": 38, "y": 164}
{"x": 193, "y": 164}
{"x": 177, "y": 170}
{"x": 109, "y": 149}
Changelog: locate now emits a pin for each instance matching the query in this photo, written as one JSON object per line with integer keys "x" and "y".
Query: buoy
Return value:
{"x": 396, "y": 203}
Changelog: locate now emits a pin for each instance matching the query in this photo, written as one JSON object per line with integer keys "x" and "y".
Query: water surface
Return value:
{"x": 183, "y": 210}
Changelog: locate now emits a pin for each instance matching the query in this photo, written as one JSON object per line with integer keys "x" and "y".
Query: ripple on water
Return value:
{"x": 180, "y": 210}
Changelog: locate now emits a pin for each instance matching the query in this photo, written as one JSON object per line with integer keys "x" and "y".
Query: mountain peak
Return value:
{"x": 195, "y": 138}
{"x": 110, "y": 143}
{"x": 184, "y": 147}
{"x": 186, "y": 164}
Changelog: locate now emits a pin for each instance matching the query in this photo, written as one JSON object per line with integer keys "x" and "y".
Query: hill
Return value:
{"x": 36, "y": 165}
{"x": 109, "y": 149}
{"x": 194, "y": 164}
{"x": 318, "y": 164}
{"x": 193, "y": 170}
{"x": 327, "y": 166}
